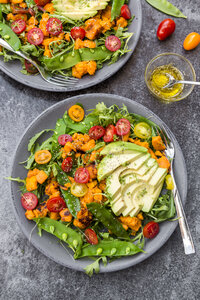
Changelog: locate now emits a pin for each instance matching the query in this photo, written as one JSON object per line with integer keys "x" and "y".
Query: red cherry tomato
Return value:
{"x": 29, "y": 201}
{"x": 123, "y": 127}
{"x": 150, "y": 230}
{"x": 77, "y": 33}
{"x": 35, "y": 36}
{"x": 64, "y": 138}
{"x": 125, "y": 12}
{"x": 56, "y": 204}
{"x": 30, "y": 67}
{"x": 96, "y": 132}
{"x": 110, "y": 132}
{"x": 67, "y": 164}
{"x": 91, "y": 236}
{"x": 18, "y": 26}
{"x": 82, "y": 175}
{"x": 54, "y": 26}
{"x": 165, "y": 29}
{"x": 113, "y": 43}
{"x": 42, "y": 2}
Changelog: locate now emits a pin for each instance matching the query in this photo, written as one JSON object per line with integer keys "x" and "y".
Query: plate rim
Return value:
{"x": 111, "y": 268}
{"x": 58, "y": 89}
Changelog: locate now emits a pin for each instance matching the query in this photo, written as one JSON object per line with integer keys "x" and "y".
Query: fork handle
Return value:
{"x": 188, "y": 82}
{"x": 184, "y": 227}
{"x": 4, "y": 44}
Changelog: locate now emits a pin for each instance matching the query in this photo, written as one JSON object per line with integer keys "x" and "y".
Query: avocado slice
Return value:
{"x": 121, "y": 147}
{"x": 150, "y": 199}
{"x": 111, "y": 162}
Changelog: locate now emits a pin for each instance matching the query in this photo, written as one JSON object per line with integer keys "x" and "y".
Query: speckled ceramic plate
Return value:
{"x": 13, "y": 68}
{"x": 48, "y": 244}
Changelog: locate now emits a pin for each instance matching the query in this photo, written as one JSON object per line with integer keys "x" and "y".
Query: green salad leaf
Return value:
{"x": 95, "y": 266}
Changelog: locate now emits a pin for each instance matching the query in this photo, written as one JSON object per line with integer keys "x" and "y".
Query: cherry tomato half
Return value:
{"x": 165, "y": 29}
{"x": 42, "y": 2}
{"x": 29, "y": 201}
{"x": 123, "y": 127}
{"x": 110, "y": 132}
{"x": 125, "y": 12}
{"x": 42, "y": 157}
{"x": 191, "y": 41}
{"x": 64, "y": 138}
{"x": 91, "y": 236}
{"x": 56, "y": 204}
{"x": 35, "y": 36}
{"x": 79, "y": 189}
{"x": 82, "y": 175}
{"x": 30, "y": 67}
{"x": 77, "y": 33}
{"x": 67, "y": 164}
{"x": 113, "y": 43}
{"x": 142, "y": 130}
{"x": 96, "y": 132}
{"x": 54, "y": 26}
{"x": 150, "y": 230}
{"x": 18, "y": 26}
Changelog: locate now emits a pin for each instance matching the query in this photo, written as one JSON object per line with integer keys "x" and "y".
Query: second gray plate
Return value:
{"x": 48, "y": 244}
{"x": 13, "y": 68}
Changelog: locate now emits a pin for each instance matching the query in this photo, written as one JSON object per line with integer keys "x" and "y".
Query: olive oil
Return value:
{"x": 159, "y": 79}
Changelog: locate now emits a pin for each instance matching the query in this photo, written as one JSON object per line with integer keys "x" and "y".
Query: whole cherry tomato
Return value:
{"x": 91, "y": 236}
{"x": 150, "y": 230}
{"x": 165, "y": 29}
{"x": 191, "y": 41}
{"x": 125, "y": 12}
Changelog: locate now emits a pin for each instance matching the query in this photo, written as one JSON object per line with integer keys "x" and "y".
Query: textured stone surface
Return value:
{"x": 25, "y": 273}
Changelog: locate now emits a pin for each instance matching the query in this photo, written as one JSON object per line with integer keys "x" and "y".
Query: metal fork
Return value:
{"x": 184, "y": 227}
{"x": 55, "y": 79}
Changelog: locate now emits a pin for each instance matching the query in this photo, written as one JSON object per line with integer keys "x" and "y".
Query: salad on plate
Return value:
{"x": 99, "y": 183}
{"x": 72, "y": 38}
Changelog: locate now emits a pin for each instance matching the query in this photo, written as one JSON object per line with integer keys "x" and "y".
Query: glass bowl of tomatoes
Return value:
{"x": 158, "y": 72}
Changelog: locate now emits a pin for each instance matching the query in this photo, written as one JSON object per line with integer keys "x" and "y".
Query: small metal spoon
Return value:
{"x": 173, "y": 81}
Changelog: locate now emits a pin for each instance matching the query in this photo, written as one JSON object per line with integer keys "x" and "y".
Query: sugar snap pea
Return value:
{"x": 1, "y": 16}
{"x": 10, "y": 37}
{"x": 72, "y": 202}
{"x": 166, "y": 7}
{"x": 66, "y": 234}
{"x": 62, "y": 61}
{"x": 99, "y": 53}
{"x": 109, "y": 248}
{"x": 107, "y": 219}
{"x": 116, "y": 8}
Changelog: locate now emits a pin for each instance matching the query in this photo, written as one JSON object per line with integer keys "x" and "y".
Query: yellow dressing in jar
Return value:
{"x": 159, "y": 79}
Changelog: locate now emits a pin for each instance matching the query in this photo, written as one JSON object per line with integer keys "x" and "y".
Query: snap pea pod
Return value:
{"x": 72, "y": 202}
{"x": 107, "y": 219}
{"x": 116, "y": 8}
{"x": 1, "y": 16}
{"x": 10, "y": 37}
{"x": 61, "y": 231}
{"x": 109, "y": 248}
{"x": 99, "y": 53}
{"x": 62, "y": 61}
{"x": 166, "y": 7}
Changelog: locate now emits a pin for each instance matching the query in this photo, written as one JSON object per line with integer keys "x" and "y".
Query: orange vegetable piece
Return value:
{"x": 4, "y": 1}
{"x": 97, "y": 193}
{"x": 23, "y": 5}
{"x": 43, "y": 23}
{"x": 163, "y": 162}
{"x": 41, "y": 177}
{"x": 88, "y": 146}
{"x": 33, "y": 172}
{"x": 121, "y": 22}
{"x": 152, "y": 153}
{"x": 191, "y": 41}
{"x": 102, "y": 185}
{"x": 93, "y": 28}
{"x": 92, "y": 184}
{"x": 76, "y": 113}
{"x": 157, "y": 143}
{"x": 54, "y": 215}
{"x": 41, "y": 211}
{"x": 42, "y": 157}
{"x": 158, "y": 153}
{"x": 49, "y": 8}
{"x": 31, "y": 183}
{"x": 125, "y": 137}
{"x": 92, "y": 171}
{"x": 138, "y": 142}
{"x": 132, "y": 222}
{"x": 29, "y": 213}
{"x": 65, "y": 215}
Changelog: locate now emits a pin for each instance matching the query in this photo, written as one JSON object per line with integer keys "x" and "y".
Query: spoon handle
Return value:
{"x": 188, "y": 82}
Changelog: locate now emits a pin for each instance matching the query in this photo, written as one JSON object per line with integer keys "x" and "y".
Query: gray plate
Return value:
{"x": 13, "y": 68}
{"x": 48, "y": 244}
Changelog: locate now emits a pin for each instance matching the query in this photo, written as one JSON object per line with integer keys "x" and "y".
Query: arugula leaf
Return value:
{"x": 95, "y": 267}
{"x": 18, "y": 179}
{"x": 35, "y": 137}
{"x": 5, "y": 8}
{"x": 84, "y": 126}
{"x": 31, "y": 49}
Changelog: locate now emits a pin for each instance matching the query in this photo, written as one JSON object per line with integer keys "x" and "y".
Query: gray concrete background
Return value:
{"x": 25, "y": 273}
